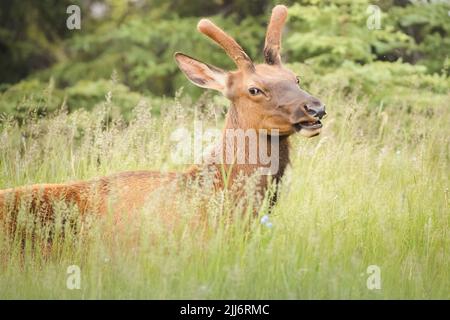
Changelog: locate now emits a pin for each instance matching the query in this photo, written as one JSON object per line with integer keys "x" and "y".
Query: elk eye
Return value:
{"x": 254, "y": 91}
{"x": 297, "y": 79}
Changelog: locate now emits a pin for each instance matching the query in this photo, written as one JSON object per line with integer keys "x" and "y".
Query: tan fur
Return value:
{"x": 273, "y": 37}
{"x": 231, "y": 47}
{"x": 123, "y": 192}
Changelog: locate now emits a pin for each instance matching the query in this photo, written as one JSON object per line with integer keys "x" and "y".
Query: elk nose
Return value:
{"x": 316, "y": 110}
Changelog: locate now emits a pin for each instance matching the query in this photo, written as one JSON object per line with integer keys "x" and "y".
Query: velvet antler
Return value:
{"x": 231, "y": 47}
{"x": 273, "y": 37}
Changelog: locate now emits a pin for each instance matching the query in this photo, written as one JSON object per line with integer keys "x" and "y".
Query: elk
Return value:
{"x": 265, "y": 98}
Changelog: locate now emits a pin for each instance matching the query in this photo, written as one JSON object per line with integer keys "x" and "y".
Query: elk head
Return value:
{"x": 264, "y": 96}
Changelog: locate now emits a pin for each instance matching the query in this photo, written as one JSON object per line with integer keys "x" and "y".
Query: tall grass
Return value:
{"x": 372, "y": 189}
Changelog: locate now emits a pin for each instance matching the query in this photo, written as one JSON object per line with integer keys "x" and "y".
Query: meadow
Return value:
{"x": 364, "y": 207}
{"x": 371, "y": 190}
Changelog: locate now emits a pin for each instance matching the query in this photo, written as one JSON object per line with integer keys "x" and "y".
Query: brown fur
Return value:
{"x": 273, "y": 37}
{"x": 120, "y": 193}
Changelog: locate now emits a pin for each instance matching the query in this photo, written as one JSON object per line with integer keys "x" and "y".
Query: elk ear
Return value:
{"x": 201, "y": 74}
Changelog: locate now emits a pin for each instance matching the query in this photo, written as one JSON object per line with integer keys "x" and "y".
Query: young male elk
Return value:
{"x": 265, "y": 98}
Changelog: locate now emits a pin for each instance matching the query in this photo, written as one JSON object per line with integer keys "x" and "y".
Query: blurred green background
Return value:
{"x": 125, "y": 48}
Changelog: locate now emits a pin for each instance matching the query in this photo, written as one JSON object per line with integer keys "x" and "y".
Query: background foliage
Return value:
{"x": 45, "y": 66}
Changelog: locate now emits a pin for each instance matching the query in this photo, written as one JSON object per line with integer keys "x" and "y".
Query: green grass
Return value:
{"x": 372, "y": 189}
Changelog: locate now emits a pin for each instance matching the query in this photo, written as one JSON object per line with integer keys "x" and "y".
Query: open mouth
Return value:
{"x": 308, "y": 125}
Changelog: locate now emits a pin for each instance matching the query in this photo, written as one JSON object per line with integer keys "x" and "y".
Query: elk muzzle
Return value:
{"x": 313, "y": 111}
{"x": 316, "y": 110}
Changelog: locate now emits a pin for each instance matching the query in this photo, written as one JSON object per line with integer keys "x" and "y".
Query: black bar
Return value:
{"x": 227, "y": 309}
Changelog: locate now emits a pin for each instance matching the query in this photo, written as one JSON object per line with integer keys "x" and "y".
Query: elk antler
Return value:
{"x": 273, "y": 37}
{"x": 231, "y": 47}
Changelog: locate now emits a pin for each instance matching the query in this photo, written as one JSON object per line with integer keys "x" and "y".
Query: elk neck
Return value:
{"x": 235, "y": 121}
